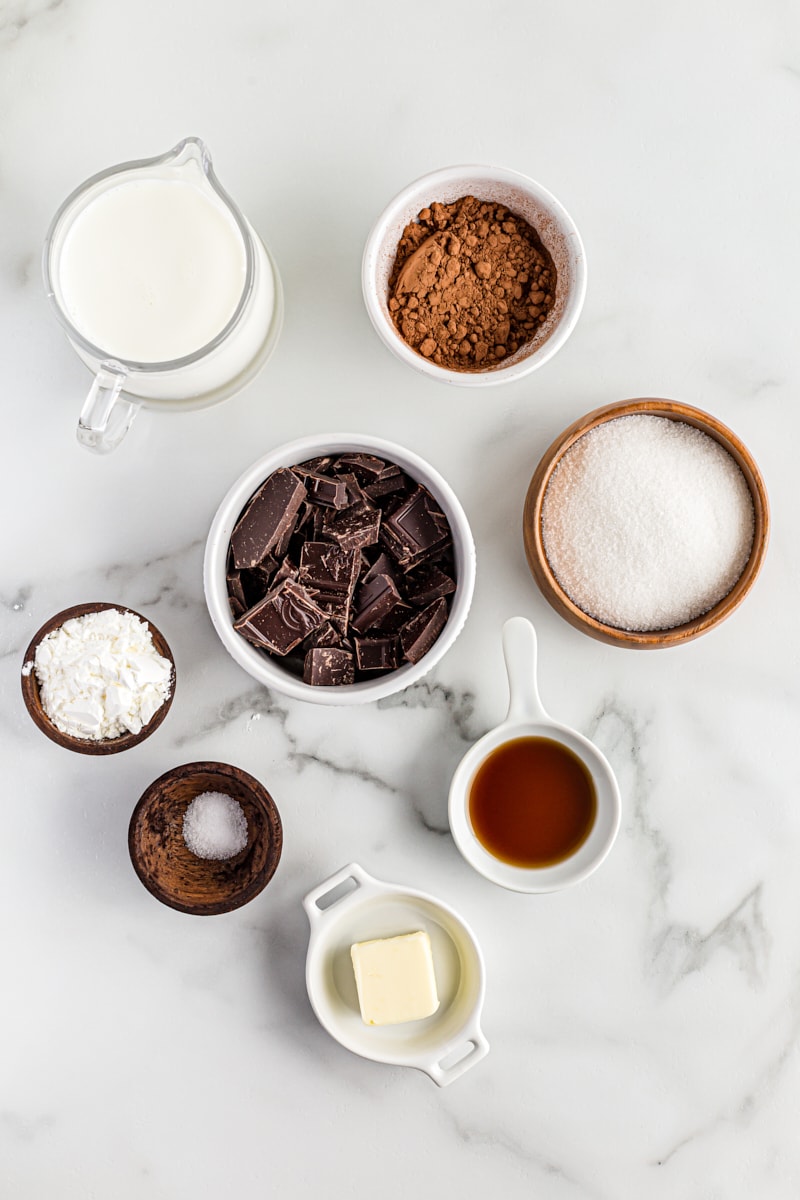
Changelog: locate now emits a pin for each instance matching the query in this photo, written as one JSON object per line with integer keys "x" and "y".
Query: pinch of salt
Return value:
{"x": 214, "y": 826}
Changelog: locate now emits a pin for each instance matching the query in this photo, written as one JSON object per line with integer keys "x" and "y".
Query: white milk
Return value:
{"x": 152, "y": 270}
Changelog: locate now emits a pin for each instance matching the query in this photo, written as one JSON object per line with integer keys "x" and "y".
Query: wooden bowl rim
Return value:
{"x": 33, "y": 703}
{"x": 272, "y": 822}
{"x": 532, "y": 528}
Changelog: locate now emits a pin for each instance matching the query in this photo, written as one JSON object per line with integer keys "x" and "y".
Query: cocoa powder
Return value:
{"x": 471, "y": 283}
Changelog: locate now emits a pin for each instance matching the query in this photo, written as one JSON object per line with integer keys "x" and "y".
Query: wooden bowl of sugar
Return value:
{"x": 231, "y": 824}
{"x": 646, "y": 523}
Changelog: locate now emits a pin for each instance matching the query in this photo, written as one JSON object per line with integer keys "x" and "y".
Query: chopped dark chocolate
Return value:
{"x": 376, "y": 653}
{"x": 418, "y": 635}
{"x": 394, "y": 621}
{"x": 235, "y": 589}
{"x": 282, "y": 619}
{"x": 354, "y": 527}
{"x": 287, "y": 570}
{"x": 325, "y": 666}
{"x": 355, "y": 570}
{"x": 383, "y": 565}
{"x": 365, "y": 467}
{"x": 386, "y": 485}
{"x": 427, "y": 583}
{"x": 262, "y": 525}
{"x": 374, "y": 601}
{"x": 320, "y": 463}
{"x": 330, "y": 493}
{"x": 256, "y": 581}
{"x": 417, "y": 530}
{"x": 326, "y": 635}
{"x": 330, "y": 573}
{"x": 353, "y": 488}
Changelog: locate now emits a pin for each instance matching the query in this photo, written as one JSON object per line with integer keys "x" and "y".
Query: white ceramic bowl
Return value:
{"x": 269, "y": 670}
{"x": 522, "y": 196}
{"x": 444, "y": 1045}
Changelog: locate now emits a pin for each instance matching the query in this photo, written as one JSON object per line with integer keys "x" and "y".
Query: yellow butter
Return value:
{"x": 395, "y": 979}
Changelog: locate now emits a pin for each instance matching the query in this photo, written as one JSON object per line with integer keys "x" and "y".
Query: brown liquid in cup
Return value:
{"x": 532, "y": 802}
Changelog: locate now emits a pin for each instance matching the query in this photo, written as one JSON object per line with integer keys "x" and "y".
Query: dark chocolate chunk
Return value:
{"x": 321, "y": 463}
{"x": 427, "y": 583}
{"x": 330, "y": 574}
{"x": 374, "y": 601}
{"x": 383, "y": 565}
{"x": 418, "y": 635}
{"x": 394, "y": 621}
{"x": 235, "y": 589}
{"x": 376, "y": 653}
{"x": 287, "y": 570}
{"x": 386, "y": 485}
{"x": 326, "y": 635}
{"x": 264, "y": 522}
{"x": 325, "y": 666}
{"x": 330, "y": 493}
{"x": 236, "y": 607}
{"x": 417, "y": 530}
{"x": 366, "y": 467}
{"x": 354, "y": 527}
{"x": 282, "y": 619}
{"x": 256, "y": 581}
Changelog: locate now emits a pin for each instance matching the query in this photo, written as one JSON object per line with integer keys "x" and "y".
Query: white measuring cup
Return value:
{"x": 525, "y": 718}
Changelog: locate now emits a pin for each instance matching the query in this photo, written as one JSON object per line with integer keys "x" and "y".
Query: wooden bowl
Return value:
{"x": 540, "y": 567}
{"x": 180, "y": 879}
{"x": 33, "y": 702}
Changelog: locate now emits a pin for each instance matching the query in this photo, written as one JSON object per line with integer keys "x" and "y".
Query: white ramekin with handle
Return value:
{"x": 352, "y": 906}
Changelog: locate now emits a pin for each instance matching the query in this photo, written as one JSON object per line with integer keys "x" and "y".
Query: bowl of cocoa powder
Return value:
{"x": 474, "y": 275}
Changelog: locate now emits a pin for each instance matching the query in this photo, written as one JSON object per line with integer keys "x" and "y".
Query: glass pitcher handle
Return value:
{"x": 106, "y": 417}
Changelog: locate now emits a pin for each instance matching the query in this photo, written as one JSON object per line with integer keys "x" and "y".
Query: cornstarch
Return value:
{"x": 100, "y": 675}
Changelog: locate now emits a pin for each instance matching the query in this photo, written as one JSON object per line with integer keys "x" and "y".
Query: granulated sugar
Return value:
{"x": 647, "y": 522}
{"x": 214, "y": 826}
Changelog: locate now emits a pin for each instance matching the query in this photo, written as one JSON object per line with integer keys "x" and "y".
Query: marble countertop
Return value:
{"x": 643, "y": 1025}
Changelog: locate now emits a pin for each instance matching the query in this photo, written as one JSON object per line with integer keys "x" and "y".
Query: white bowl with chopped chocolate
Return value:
{"x": 339, "y": 569}
{"x": 474, "y": 275}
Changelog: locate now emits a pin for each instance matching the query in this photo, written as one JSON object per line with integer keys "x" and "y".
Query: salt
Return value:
{"x": 647, "y": 522}
{"x": 214, "y": 826}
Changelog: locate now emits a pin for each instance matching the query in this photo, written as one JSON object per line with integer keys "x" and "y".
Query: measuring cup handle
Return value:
{"x": 520, "y": 653}
{"x": 106, "y": 417}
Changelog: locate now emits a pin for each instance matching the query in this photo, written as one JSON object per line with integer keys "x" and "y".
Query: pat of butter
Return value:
{"x": 395, "y": 979}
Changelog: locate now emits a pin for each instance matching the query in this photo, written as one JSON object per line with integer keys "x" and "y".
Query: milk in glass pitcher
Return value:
{"x": 164, "y": 290}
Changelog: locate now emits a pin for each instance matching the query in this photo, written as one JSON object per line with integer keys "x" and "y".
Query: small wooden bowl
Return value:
{"x": 33, "y": 702}
{"x": 169, "y": 870}
{"x": 540, "y": 567}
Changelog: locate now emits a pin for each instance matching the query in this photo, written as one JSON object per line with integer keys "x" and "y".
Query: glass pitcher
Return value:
{"x": 163, "y": 288}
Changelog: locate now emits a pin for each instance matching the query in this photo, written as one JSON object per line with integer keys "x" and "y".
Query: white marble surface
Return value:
{"x": 644, "y": 1026}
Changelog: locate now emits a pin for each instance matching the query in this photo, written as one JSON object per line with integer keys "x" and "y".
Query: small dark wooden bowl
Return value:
{"x": 540, "y": 567}
{"x": 33, "y": 702}
{"x": 169, "y": 870}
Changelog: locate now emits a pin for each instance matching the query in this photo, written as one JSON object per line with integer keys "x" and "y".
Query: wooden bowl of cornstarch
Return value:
{"x": 98, "y": 678}
{"x": 646, "y": 523}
